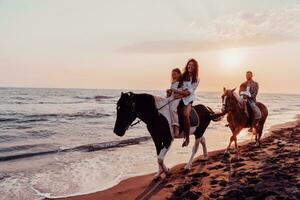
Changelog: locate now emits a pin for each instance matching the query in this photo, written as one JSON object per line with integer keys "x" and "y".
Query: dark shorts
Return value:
{"x": 181, "y": 104}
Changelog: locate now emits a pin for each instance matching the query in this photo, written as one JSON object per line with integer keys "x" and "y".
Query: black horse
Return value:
{"x": 131, "y": 106}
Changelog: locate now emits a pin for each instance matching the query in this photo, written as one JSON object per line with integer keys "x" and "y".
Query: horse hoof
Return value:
{"x": 168, "y": 175}
{"x": 226, "y": 154}
{"x": 187, "y": 168}
{"x": 168, "y": 171}
{"x": 205, "y": 158}
{"x": 156, "y": 178}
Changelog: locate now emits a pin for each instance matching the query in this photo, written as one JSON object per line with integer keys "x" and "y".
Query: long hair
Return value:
{"x": 185, "y": 75}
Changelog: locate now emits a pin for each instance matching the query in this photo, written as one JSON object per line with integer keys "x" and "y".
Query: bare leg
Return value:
{"x": 194, "y": 151}
{"x": 186, "y": 112}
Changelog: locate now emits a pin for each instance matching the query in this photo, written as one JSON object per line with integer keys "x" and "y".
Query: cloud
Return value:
{"x": 242, "y": 30}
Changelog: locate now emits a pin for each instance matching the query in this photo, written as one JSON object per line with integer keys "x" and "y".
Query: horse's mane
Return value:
{"x": 238, "y": 99}
{"x": 146, "y": 101}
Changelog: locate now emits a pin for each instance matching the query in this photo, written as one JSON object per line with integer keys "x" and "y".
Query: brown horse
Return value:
{"x": 237, "y": 118}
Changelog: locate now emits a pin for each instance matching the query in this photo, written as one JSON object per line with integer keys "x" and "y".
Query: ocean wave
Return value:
{"x": 23, "y": 119}
{"x": 97, "y": 97}
{"x": 40, "y": 133}
{"x": 86, "y": 114}
{"x": 83, "y": 148}
{"x": 282, "y": 109}
{"x": 30, "y": 134}
{"x": 24, "y": 147}
{"x": 23, "y": 98}
{"x": 7, "y": 119}
{"x": 64, "y": 102}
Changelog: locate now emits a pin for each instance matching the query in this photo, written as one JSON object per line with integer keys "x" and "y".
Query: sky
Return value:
{"x": 135, "y": 44}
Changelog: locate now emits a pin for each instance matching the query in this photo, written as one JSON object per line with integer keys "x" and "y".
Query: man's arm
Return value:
{"x": 255, "y": 91}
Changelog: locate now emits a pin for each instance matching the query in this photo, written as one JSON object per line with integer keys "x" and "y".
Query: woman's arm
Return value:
{"x": 184, "y": 93}
{"x": 192, "y": 87}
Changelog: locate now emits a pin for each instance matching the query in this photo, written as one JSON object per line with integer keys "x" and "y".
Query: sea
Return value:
{"x": 60, "y": 142}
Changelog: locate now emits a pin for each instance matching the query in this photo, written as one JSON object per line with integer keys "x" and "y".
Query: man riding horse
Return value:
{"x": 250, "y": 89}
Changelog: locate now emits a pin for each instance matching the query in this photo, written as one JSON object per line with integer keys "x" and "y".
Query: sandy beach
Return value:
{"x": 267, "y": 172}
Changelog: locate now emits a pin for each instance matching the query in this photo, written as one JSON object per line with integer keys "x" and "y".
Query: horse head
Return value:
{"x": 126, "y": 113}
{"x": 228, "y": 100}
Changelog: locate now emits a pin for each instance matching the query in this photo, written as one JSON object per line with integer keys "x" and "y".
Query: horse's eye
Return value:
{"x": 118, "y": 107}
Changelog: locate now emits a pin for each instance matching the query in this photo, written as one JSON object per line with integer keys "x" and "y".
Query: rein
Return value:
{"x": 137, "y": 122}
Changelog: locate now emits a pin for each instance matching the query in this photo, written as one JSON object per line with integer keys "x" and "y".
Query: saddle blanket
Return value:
{"x": 164, "y": 109}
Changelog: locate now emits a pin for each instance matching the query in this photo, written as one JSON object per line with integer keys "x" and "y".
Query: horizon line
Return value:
{"x": 75, "y": 88}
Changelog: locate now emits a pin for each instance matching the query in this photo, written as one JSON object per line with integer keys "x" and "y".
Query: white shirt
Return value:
{"x": 246, "y": 93}
{"x": 175, "y": 85}
{"x": 174, "y": 103}
{"x": 191, "y": 87}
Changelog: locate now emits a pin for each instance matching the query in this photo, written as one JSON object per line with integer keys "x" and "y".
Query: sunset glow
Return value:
{"x": 231, "y": 59}
{"x": 134, "y": 45}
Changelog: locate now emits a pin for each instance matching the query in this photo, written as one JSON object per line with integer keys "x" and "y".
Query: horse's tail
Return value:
{"x": 215, "y": 116}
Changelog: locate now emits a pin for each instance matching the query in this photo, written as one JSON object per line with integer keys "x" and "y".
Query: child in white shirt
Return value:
{"x": 174, "y": 100}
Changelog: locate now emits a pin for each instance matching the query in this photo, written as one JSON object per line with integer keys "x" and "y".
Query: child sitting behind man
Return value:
{"x": 245, "y": 91}
{"x": 245, "y": 95}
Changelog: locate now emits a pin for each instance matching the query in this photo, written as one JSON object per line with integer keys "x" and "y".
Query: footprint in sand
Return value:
{"x": 199, "y": 175}
{"x": 238, "y": 164}
{"x": 220, "y": 166}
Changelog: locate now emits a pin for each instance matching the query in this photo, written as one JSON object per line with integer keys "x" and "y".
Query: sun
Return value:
{"x": 231, "y": 58}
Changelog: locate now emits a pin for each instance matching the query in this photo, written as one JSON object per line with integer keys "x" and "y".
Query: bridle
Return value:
{"x": 130, "y": 103}
{"x": 227, "y": 107}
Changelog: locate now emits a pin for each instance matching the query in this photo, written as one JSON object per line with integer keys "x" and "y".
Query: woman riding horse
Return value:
{"x": 189, "y": 83}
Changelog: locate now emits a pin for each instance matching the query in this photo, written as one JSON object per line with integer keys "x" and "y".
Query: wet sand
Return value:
{"x": 271, "y": 171}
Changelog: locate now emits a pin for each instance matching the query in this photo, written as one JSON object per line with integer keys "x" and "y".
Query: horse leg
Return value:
{"x": 256, "y": 136}
{"x": 160, "y": 169}
{"x": 236, "y": 132}
{"x": 261, "y": 125}
{"x": 160, "y": 160}
{"x": 228, "y": 147}
{"x": 194, "y": 151}
{"x": 203, "y": 143}
{"x": 236, "y": 146}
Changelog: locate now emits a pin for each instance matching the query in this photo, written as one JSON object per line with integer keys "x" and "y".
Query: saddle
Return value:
{"x": 250, "y": 113}
{"x": 194, "y": 119}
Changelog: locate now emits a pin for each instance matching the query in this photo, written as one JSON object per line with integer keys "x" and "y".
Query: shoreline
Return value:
{"x": 139, "y": 187}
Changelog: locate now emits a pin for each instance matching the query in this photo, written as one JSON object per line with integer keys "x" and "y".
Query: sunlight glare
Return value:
{"x": 231, "y": 58}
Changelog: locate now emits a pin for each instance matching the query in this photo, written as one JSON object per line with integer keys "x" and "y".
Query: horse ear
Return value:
{"x": 224, "y": 89}
{"x": 233, "y": 90}
{"x": 122, "y": 93}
